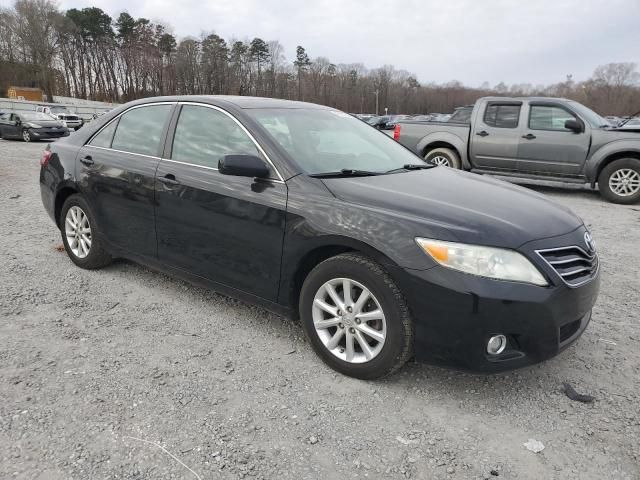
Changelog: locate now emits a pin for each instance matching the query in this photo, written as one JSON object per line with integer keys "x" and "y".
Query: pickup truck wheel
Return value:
{"x": 444, "y": 157}
{"x": 619, "y": 182}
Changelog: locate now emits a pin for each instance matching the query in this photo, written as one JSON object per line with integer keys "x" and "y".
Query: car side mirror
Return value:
{"x": 573, "y": 125}
{"x": 243, "y": 166}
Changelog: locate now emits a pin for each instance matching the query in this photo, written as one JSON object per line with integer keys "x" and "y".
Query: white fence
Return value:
{"x": 85, "y": 109}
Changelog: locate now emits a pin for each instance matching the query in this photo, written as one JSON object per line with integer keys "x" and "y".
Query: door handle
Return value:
{"x": 529, "y": 136}
{"x": 169, "y": 179}
{"x": 87, "y": 160}
{"x": 482, "y": 133}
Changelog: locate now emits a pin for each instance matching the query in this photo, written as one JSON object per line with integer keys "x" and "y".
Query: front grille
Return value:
{"x": 573, "y": 264}
{"x": 567, "y": 330}
{"x": 70, "y": 117}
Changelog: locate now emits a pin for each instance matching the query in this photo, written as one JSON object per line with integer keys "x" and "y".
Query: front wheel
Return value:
{"x": 443, "y": 157}
{"x": 26, "y": 136}
{"x": 355, "y": 317}
{"x": 619, "y": 182}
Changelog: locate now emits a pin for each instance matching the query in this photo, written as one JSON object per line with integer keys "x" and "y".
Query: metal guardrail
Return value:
{"x": 86, "y": 111}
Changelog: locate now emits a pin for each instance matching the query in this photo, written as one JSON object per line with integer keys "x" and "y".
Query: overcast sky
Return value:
{"x": 519, "y": 41}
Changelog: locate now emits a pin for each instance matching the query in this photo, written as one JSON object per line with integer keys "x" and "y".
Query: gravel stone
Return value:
{"x": 112, "y": 373}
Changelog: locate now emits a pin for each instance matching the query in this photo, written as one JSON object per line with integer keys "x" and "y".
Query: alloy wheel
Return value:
{"x": 349, "y": 320}
{"x": 625, "y": 182}
{"x": 78, "y": 232}
{"x": 440, "y": 160}
{"x": 26, "y": 136}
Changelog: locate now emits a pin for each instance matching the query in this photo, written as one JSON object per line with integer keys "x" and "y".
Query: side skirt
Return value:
{"x": 155, "y": 264}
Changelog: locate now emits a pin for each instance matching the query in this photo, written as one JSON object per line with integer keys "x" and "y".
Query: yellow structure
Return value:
{"x": 26, "y": 93}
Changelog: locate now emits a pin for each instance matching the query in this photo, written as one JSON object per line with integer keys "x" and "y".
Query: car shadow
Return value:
{"x": 445, "y": 381}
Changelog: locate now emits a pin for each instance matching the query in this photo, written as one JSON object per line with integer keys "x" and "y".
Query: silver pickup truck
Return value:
{"x": 538, "y": 138}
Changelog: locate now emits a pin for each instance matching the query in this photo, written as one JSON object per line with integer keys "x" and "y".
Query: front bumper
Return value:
{"x": 49, "y": 132}
{"x": 455, "y": 314}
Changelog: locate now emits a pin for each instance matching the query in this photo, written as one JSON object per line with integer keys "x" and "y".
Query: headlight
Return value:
{"x": 498, "y": 263}
{"x": 33, "y": 125}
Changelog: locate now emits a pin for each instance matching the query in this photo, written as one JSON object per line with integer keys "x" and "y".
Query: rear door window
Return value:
{"x": 501, "y": 115}
{"x": 140, "y": 129}
{"x": 103, "y": 139}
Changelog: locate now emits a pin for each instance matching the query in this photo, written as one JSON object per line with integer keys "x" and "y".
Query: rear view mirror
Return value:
{"x": 243, "y": 166}
{"x": 573, "y": 125}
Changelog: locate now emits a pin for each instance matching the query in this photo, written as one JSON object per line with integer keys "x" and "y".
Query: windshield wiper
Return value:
{"x": 412, "y": 166}
{"x": 624, "y": 122}
{"x": 346, "y": 172}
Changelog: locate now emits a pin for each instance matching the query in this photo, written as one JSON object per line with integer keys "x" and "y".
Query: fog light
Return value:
{"x": 496, "y": 344}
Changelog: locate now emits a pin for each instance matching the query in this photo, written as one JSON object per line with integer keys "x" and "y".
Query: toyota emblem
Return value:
{"x": 588, "y": 240}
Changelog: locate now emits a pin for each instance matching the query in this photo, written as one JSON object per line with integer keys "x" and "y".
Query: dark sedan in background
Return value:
{"x": 310, "y": 212}
{"x": 29, "y": 126}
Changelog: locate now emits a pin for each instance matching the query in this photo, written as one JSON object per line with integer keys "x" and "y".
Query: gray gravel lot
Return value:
{"x": 100, "y": 369}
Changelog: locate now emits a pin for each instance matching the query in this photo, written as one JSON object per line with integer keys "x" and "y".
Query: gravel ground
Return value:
{"x": 126, "y": 373}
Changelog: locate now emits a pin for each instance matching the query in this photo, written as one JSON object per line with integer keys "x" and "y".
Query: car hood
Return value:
{"x": 623, "y": 133}
{"x": 452, "y": 205}
{"x": 47, "y": 123}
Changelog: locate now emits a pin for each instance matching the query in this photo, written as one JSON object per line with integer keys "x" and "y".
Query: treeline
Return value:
{"x": 88, "y": 54}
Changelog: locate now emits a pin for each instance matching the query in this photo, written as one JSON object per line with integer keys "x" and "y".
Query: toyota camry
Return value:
{"x": 311, "y": 213}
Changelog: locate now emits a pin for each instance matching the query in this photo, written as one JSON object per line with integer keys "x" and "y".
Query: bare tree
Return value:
{"x": 88, "y": 54}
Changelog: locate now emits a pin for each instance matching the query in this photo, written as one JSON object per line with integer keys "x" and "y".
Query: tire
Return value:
{"x": 394, "y": 326}
{"x": 96, "y": 256}
{"x": 26, "y": 136}
{"x": 619, "y": 182}
{"x": 443, "y": 157}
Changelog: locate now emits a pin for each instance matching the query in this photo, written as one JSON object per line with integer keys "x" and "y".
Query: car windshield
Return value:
{"x": 322, "y": 141}
{"x": 589, "y": 115}
{"x": 33, "y": 116}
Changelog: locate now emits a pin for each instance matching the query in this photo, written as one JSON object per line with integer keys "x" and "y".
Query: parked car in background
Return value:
{"x": 613, "y": 121}
{"x": 461, "y": 114}
{"x": 540, "y": 138}
{"x": 440, "y": 117}
{"x": 387, "y": 122}
{"x": 61, "y": 112}
{"x": 306, "y": 210}
{"x": 422, "y": 118}
{"x": 30, "y": 126}
{"x": 365, "y": 117}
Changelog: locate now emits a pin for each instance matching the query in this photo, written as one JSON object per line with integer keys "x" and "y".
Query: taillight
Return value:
{"x": 46, "y": 156}
{"x": 396, "y": 132}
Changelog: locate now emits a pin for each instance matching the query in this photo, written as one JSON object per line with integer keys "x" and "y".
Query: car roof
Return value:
{"x": 530, "y": 99}
{"x": 235, "y": 100}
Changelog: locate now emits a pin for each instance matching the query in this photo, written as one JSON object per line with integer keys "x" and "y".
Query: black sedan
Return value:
{"x": 30, "y": 126}
{"x": 309, "y": 212}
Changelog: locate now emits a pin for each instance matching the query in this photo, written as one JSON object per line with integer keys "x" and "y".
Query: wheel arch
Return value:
{"x": 62, "y": 195}
{"x": 445, "y": 140}
{"x": 330, "y": 247}
{"x": 612, "y": 158}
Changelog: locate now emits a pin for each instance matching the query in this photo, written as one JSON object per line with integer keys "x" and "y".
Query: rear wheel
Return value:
{"x": 444, "y": 157}
{"x": 619, "y": 182}
{"x": 79, "y": 235}
{"x": 356, "y": 318}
